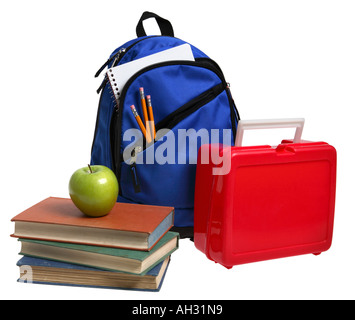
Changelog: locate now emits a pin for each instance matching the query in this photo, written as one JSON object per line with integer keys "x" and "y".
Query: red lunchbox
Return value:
{"x": 274, "y": 202}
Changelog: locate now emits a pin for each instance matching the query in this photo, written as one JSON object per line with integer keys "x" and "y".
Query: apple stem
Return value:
{"x": 90, "y": 168}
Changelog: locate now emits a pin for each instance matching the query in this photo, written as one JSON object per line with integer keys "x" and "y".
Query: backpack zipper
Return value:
{"x": 114, "y": 57}
{"x": 133, "y": 169}
{"x": 117, "y": 57}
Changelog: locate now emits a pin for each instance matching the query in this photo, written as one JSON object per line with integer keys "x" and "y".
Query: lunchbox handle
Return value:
{"x": 297, "y": 123}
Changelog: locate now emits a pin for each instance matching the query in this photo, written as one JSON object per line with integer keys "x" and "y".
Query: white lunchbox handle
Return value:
{"x": 297, "y": 123}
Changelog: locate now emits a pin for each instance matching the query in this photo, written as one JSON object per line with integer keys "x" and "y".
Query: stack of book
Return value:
{"x": 129, "y": 248}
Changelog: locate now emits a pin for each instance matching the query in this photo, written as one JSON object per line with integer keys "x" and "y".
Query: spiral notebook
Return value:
{"x": 120, "y": 74}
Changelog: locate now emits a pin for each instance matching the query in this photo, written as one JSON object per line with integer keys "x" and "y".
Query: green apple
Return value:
{"x": 94, "y": 190}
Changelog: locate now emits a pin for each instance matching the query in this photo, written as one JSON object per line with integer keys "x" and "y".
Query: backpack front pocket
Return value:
{"x": 191, "y": 103}
{"x": 164, "y": 172}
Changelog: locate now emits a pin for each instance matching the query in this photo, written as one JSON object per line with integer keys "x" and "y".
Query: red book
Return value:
{"x": 130, "y": 226}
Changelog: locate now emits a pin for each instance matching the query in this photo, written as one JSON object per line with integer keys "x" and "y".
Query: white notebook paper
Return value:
{"x": 119, "y": 75}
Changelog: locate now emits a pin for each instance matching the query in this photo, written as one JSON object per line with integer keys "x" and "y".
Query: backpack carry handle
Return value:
{"x": 165, "y": 26}
{"x": 297, "y": 123}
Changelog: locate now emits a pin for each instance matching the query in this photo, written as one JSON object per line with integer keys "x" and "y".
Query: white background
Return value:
{"x": 282, "y": 58}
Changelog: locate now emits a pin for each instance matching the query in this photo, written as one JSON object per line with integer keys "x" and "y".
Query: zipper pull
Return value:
{"x": 103, "y": 83}
{"x": 102, "y": 67}
{"x": 133, "y": 167}
{"x": 118, "y": 56}
{"x": 115, "y": 59}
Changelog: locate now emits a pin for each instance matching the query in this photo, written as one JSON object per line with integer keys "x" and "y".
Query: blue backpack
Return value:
{"x": 188, "y": 97}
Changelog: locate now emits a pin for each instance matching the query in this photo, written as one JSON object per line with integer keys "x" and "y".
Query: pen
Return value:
{"x": 151, "y": 117}
{"x": 145, "y": 113}
{"x": 140, "y": 123}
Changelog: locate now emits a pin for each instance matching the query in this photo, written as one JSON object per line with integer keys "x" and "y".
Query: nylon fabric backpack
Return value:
{"x": 189, "y": 98}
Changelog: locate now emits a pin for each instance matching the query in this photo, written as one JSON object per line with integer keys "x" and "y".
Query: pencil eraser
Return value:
{"x": 141, "y": 89}
{"x": 148, "y": 96}
{"x": 132, "y": 107}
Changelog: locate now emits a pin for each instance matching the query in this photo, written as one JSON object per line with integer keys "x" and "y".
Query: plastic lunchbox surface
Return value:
{"x": 275, "y": 202}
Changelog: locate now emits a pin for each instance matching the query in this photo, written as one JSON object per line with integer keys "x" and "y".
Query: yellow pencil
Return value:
{"x": 140, "y": 123}
{"x": 151, "y": 117}
{"x": 145, "y": 113}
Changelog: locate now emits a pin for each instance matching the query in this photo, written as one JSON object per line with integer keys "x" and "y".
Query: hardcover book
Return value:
{"x": 42, "y": 271}
{"x": 114, "y": 259}
{"x": 130, "y": 226}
